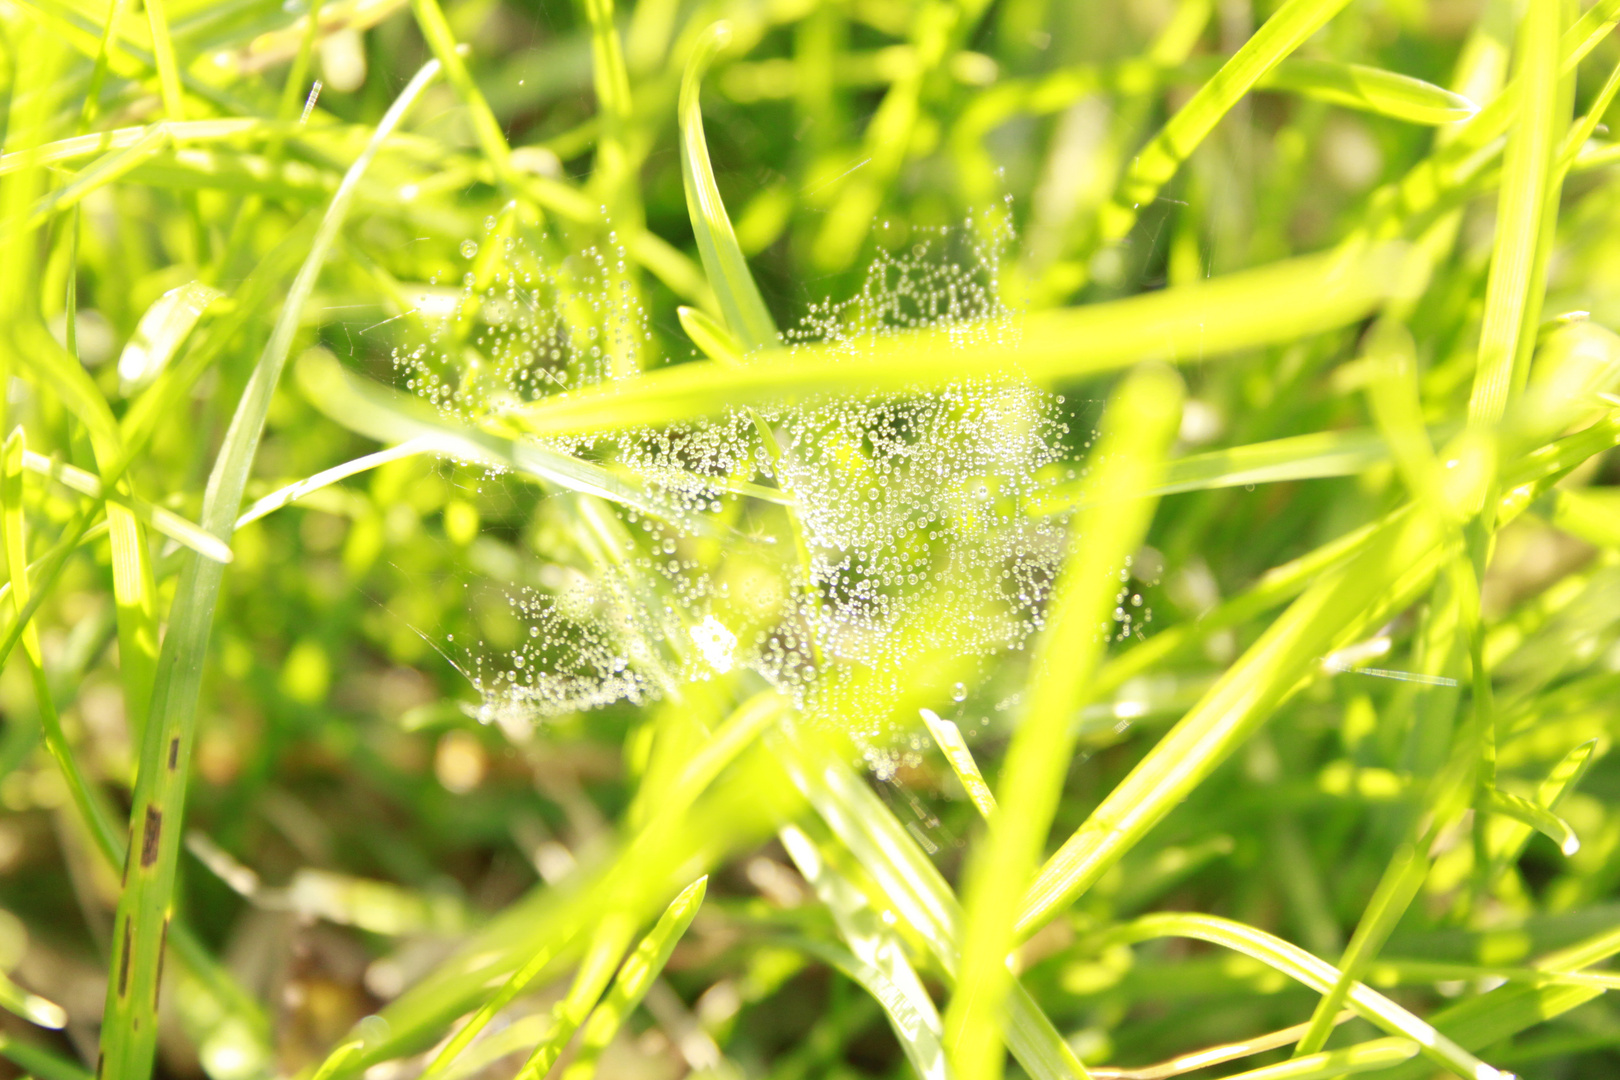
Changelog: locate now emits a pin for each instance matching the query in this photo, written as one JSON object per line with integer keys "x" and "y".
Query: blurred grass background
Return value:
{"x": 350, "y": 824}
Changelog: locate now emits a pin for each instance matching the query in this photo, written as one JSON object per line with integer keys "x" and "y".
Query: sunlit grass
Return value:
{"x": 797, "y": 540}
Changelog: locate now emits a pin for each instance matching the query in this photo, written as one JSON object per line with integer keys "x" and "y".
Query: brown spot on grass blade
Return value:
{"x": 174, "y": 752}
{"x": 163, "y": 951}
{"x": 150, "y": 834}
{"x": 123, "y": 962}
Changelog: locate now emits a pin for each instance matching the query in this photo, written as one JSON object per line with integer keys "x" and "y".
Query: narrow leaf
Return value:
{"x": 1368, "y": 89}
{"x": 723, "y": 261}
{"x": 634, "y": 979}
{"x": 1250, "y": 309}
{"x": 160, "y": 332}
{"x": 129, "y": 1029}
{"x": 1137, "y": 427}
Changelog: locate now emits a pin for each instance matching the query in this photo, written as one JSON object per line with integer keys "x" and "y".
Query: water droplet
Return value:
{"x": 469, "y": 248}
{"x": 959, "y": 692}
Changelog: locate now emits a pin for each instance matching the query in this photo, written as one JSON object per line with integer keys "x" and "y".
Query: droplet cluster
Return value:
{"x": 522, "y": 324}
{"x": 853, "y": 549}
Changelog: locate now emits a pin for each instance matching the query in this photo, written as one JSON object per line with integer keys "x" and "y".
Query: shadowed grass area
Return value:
{"x": 819, "y": 538}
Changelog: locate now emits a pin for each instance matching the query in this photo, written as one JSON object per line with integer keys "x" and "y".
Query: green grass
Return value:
{"x": 874, "y": 538}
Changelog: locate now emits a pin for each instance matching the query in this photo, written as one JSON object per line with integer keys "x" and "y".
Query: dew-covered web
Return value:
{"x": 838, "y": 546}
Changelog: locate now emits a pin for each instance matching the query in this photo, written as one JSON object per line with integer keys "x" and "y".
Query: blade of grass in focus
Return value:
{"x": 1186, "y": 325}
{"x": 1141, "y": 419}
{"x": 144, "y": 907}
{"x": 740, "y": 303}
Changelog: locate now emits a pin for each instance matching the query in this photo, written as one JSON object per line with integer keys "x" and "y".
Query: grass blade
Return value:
{"x": 491, "y": 139}
{"x": 613, "y": 173}
{"x": 389, "y": 416}
{"x": 141, "y": 926}
{"x": 31, "y": 1007}
{"x": 1301, "y": 966}
{"x": 1251, "y": 309}
{"x": 1508, "y": 843}
{"x": 1232, "y": 708}
{"x": 1137, "y": 428}
{"x": 880, "y": 962}
{"x": 285, "y": 496}
{"x": 1485, "y": 1020}
{"x": 519, "y": 981}
{"x": 1315, "y": 456}
{"x": 1365, "y": 1057}
{"x": 713, "y": 339}
{"x": 40, "y": 1062}
{"x": 164, "y": 521}
{"x": 160, "y": 332}
{"x": 97, "y": 819}
{"x": 635, "y": 978}
{"x": 1287, "y": 29}
{"x": 1374, "y": 90}
{"x": 1532, "y": 815}
{"x": 948, "y": 737}
{"x": 608, "y": 942}
{"x": 740, "y": 303}
{"x": 918, "y": 894}
{"x": 1525, "y": 209}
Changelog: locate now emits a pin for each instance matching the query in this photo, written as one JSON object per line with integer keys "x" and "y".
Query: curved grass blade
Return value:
{"x": 1374, "y": 90}
{"x": 1486, "y": 1020}
{"x": 327, "y": 477}
{"x": 1526, "y": 210}
{"x": 1364, "y": 1057}
{"x": 708, "y": 335}
{"x": 160, "y": 332}
{"x": 1137, "y": 428}
{"x": 919, "y": 1040}
{"x": 740, "y": 303}
{"x": 31, "y": 1007}
{"x": 948, "y": 737}
{"x": 1507, "y": 843}
{"x": 1319, "y": 975}
{"x": 1215, "y": 1055}
{"x": 1318, "y": 455}
{"x": 635, "y": 978}
{"x": 1282, "y": 302}
{"x": 384, "y": 414}
{"x": 129, "y": 1022}
{"x": 1289, "y": 28}
{"x": 40, "y": 1062}
{"x": 164, "y": 521}
{"x": 918, "y": 894}
{"x": 878, "y": 960}
{"x": 1496, "y": 801}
